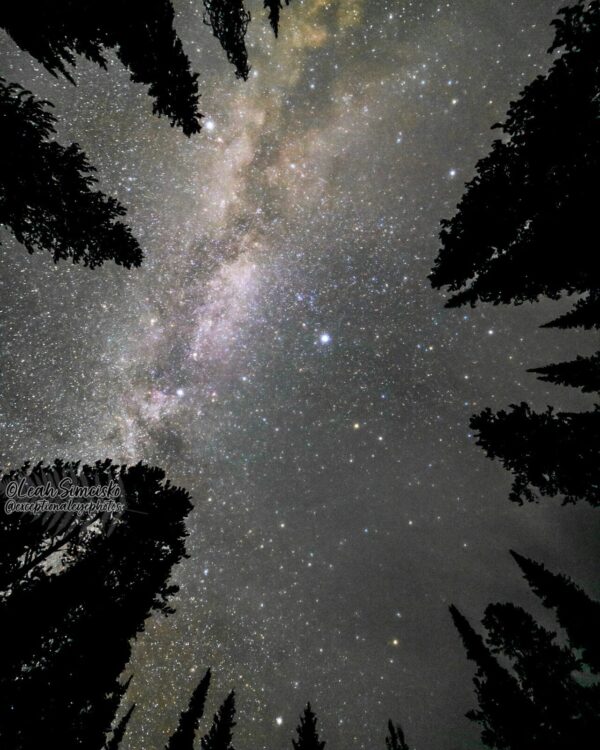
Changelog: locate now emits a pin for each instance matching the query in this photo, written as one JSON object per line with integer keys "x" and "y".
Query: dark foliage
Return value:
{"x": 555, "y": 453}
{"x": 274, "y": 9}
{"x": 576, "y": 613}
{"x": 46, "y": 195}
{"x": 189, "y": 720}
{"x": 140, "y": 31}
{"x": 526, "y": 228}
{"x": 529, "y": 686}
{"x": 89, "y": 599}
{"x": 229, "y": 21}
{"x": 582, "y": 372}
{"x": 526, "y": 225}
{"x": 585, "y": 314}
{"x": 395, "y": 739}
{"x": 308, "y": 737}
{"x": 504, "y": 712}
{"x": 220, "y": 735}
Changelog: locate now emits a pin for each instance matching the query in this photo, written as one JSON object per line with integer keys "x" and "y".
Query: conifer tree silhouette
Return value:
{"x": 67, "y": 659}
{"x": 575, "y": 612}
{"x": 308, "y": 737}
{"x": 585, "y": 313}
{"x": 46, "y": 195}
{"x": 524, "y": 229}
{"x": 25, "y": 542}
{"x": 555, "y": 453}
{"x": 229, "y": 21}
{"x": 183, "y": 737}
{"x": 274, "y": 9}
{"x": 395, "y": 739}
{"x": 528, "y": 684}
{"x": 220, "y": 735}
{"x": 526, "y": 223}
{"x": 141, "y": 32}
{"x": 504, "y": 713}
{"x": 582, "y": 372}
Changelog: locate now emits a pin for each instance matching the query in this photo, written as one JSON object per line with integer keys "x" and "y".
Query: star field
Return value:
{"x": 281, "y": 354}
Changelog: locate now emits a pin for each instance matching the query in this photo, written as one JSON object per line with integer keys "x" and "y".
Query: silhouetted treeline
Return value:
{"x": 91, "y": 582}
{"x": 220, "y": 735}
{"x": 526, "y": 225}
{"x": 143, "y": 35}
{"x": 46, "y": 190}
{"x": 140, "y": 31}
{"x": 46, "y": 194}
{"x": 189, "y": 720}
{"x": 75, "y": 593}
{"x": 525, "y": 228}
{"x": 537, "y": 691}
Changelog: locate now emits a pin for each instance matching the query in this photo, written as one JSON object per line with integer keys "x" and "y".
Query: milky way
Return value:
{"x": 280, "y": 353}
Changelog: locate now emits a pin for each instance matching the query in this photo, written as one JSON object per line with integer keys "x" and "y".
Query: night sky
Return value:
{"x": 281, "y": 354}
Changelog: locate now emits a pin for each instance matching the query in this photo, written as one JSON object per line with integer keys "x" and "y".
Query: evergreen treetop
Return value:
{"x": 220, "y": 735}
{"x": 189, "y": 720}
{"x": 67, "y": 660}
{"x": 308, "y": 737}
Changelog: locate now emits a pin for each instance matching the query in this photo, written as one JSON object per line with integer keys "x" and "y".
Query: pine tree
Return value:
{"x": 274, "y": 8}
{"x": 582, "y": 372}
{"x": 141, "y": 32}
{"x": 528, "y": 683}
{"x": 567, "y": 712}
{"x": 576, "y": 613}
{"x": 66, "y": 661}
{"x": 505, "y": 714}
{"x": 183, "y": 737}
{"x": 220, "y": 735}
{"x": 526, "y": 223}
{"x": 229, "y": 21}
{"x": 395, "y": 740}
{"x": 524, "y": 229}
{"x": 46, "y": 195}
{"x": 555, "y": 453}
{"x": 308, "y": 737}
{"x": 584, "y": 314}
{"x": 28, "y": 542}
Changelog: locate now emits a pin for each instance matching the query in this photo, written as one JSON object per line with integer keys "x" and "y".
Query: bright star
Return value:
{"x": 325, "y": 338}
